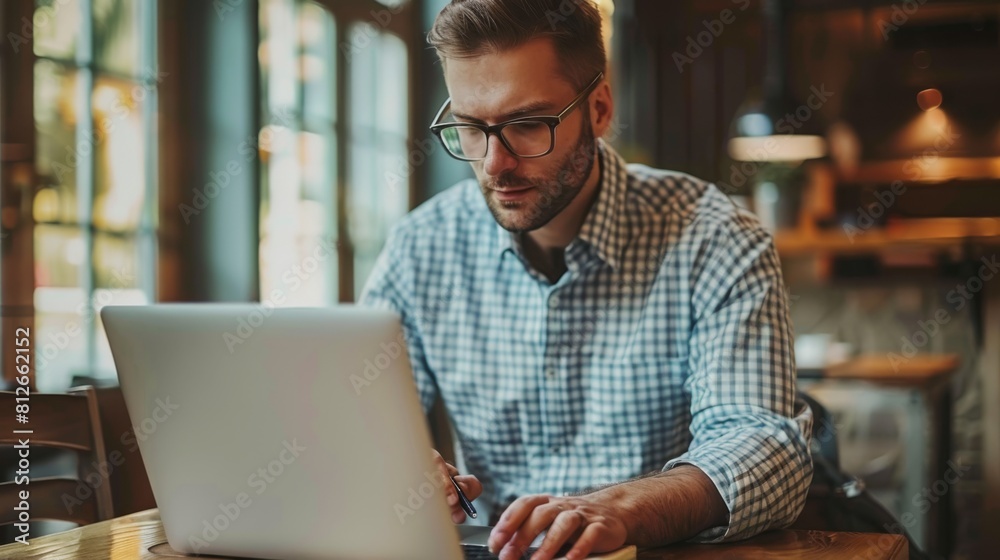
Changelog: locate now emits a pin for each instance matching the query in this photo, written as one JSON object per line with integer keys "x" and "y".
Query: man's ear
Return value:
{"x": 602, "y": 109}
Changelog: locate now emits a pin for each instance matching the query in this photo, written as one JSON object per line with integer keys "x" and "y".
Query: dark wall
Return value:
{"x": 683, "y": 68}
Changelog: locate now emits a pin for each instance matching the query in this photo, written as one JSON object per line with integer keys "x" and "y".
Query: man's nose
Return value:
{"x": 498, "y": 160}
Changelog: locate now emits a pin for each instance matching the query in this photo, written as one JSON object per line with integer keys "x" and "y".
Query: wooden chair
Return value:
{"x": 63, "y": 421}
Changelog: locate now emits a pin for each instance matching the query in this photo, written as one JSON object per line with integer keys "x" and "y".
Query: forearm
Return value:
{"x": 667, "y": 507}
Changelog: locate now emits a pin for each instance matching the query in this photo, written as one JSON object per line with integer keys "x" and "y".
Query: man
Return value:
{"x": 611, "y": 342}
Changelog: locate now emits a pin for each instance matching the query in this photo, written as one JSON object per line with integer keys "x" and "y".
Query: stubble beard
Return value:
{"x": 551, "y": 193}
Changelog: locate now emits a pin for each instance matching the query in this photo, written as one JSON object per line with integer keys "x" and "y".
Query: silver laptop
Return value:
{"x": 281, "y": 433}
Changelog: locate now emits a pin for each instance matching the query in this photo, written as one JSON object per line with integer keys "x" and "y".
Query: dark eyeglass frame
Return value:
{"x": 552, "y": 121}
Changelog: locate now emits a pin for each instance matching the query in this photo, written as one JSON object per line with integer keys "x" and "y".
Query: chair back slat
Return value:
{"x": 72, "y": 422}
{"x": 56, "y": 420}
{"x": 54, "y": 499}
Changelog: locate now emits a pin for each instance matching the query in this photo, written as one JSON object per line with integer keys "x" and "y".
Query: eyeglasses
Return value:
{"x": 526, "y": 137}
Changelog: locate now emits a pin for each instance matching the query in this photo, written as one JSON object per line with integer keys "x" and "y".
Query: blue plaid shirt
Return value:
{"x": 667, "y": 341}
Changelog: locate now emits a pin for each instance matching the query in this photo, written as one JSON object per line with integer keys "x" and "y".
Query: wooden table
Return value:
{"x": 130, "y": 537}
{"x": 922, "y": 369}
{"x": 921, "y": 386}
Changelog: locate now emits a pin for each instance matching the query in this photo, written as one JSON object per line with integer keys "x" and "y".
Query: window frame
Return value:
{"x": 145, "y": 233}
{"x": 405, "y": 23}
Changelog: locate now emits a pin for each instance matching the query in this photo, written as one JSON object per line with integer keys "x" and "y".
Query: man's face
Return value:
{"x": 523, "y": 194}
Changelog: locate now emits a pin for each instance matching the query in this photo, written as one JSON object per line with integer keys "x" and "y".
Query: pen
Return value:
{"x": 466, "y": 504}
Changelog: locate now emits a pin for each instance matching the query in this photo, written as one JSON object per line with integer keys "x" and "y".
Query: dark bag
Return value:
{"x": 839, "y": 500}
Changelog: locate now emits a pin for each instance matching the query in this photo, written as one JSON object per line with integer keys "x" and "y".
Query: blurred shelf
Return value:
{"x": 941, "y": 169}
{"x": 927, "y": 234}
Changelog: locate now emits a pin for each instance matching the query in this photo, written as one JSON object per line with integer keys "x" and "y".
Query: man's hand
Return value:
{"x": 588, "y": 525}
{"x": 469, "y": 483}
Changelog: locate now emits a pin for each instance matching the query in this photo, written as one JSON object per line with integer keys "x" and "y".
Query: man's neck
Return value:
{"x": 545, "y": 247}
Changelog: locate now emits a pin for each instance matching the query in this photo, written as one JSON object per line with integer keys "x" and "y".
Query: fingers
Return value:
{"x": 567, "y": 521}
{"x": 446, "y": 471}
{"x": 470, "y": 485}
{"x": 586, "y": 543}
{"x": 521, "y": 523}
{"x": 539, "y": 520}
{"x": 565, "y": 527}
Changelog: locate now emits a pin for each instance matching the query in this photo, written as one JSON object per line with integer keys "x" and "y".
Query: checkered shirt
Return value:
{"x": 667, "y": 341}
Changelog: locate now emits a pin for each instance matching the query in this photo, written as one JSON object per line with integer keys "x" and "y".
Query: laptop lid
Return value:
{"x": 281, "y": 432}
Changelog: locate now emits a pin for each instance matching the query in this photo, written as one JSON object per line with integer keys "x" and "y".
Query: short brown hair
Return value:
{"x": 467, "y": 28}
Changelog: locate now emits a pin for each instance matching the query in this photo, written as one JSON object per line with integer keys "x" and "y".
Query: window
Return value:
{"x": 335, "y": 94}
{"x": 95, "y": 86}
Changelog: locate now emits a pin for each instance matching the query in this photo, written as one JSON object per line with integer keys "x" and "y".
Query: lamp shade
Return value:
{"x": 771, "y": 126}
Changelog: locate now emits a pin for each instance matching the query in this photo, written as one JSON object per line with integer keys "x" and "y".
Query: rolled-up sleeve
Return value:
{"x": 390, "y": 287}
{"x": 748, "y": 434}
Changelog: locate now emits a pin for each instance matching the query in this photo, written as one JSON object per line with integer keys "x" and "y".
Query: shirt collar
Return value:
{"x": 603, "y": 228}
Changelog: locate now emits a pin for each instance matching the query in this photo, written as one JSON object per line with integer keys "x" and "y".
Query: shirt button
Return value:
{"x": 554, "y": 302}
{"x": 555, "y": 449}
{"x": 551, "y": 373}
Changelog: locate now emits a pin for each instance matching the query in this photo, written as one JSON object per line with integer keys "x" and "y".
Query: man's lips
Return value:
{"x": 512, "y": 194}
{"x": 512, "y": 190}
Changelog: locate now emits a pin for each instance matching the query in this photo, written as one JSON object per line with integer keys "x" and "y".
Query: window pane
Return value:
{"x": 57, "y": 28}
{"x": 278, "y": 56}
{"x": 119, "y": 171}
{"x": 318, "y": 154}
{"x": 380, "y": 166}
{"x": 119, "y": 269}
{"x": 56, "y": 92}
{"x": 303, "y": 274}
{"x": 393, "y": 76}
{"x": 318, "y": 70}
{"x": 279, "y": 205}
{"x": 71, "y": 339}
{"x": 61, "y": 317}
{"x": 59, "y": 252}
{"x": 116, "y": 43}
{"x": 118, "y": 263}
{"x": 62, "y": 323}
{"x": 363, "y": 78}
{"x": 298, "y": 256}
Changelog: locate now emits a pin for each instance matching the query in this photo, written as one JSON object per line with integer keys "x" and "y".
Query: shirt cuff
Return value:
{"x": 711, "y": 470}
{"x": 763, "y": 478}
